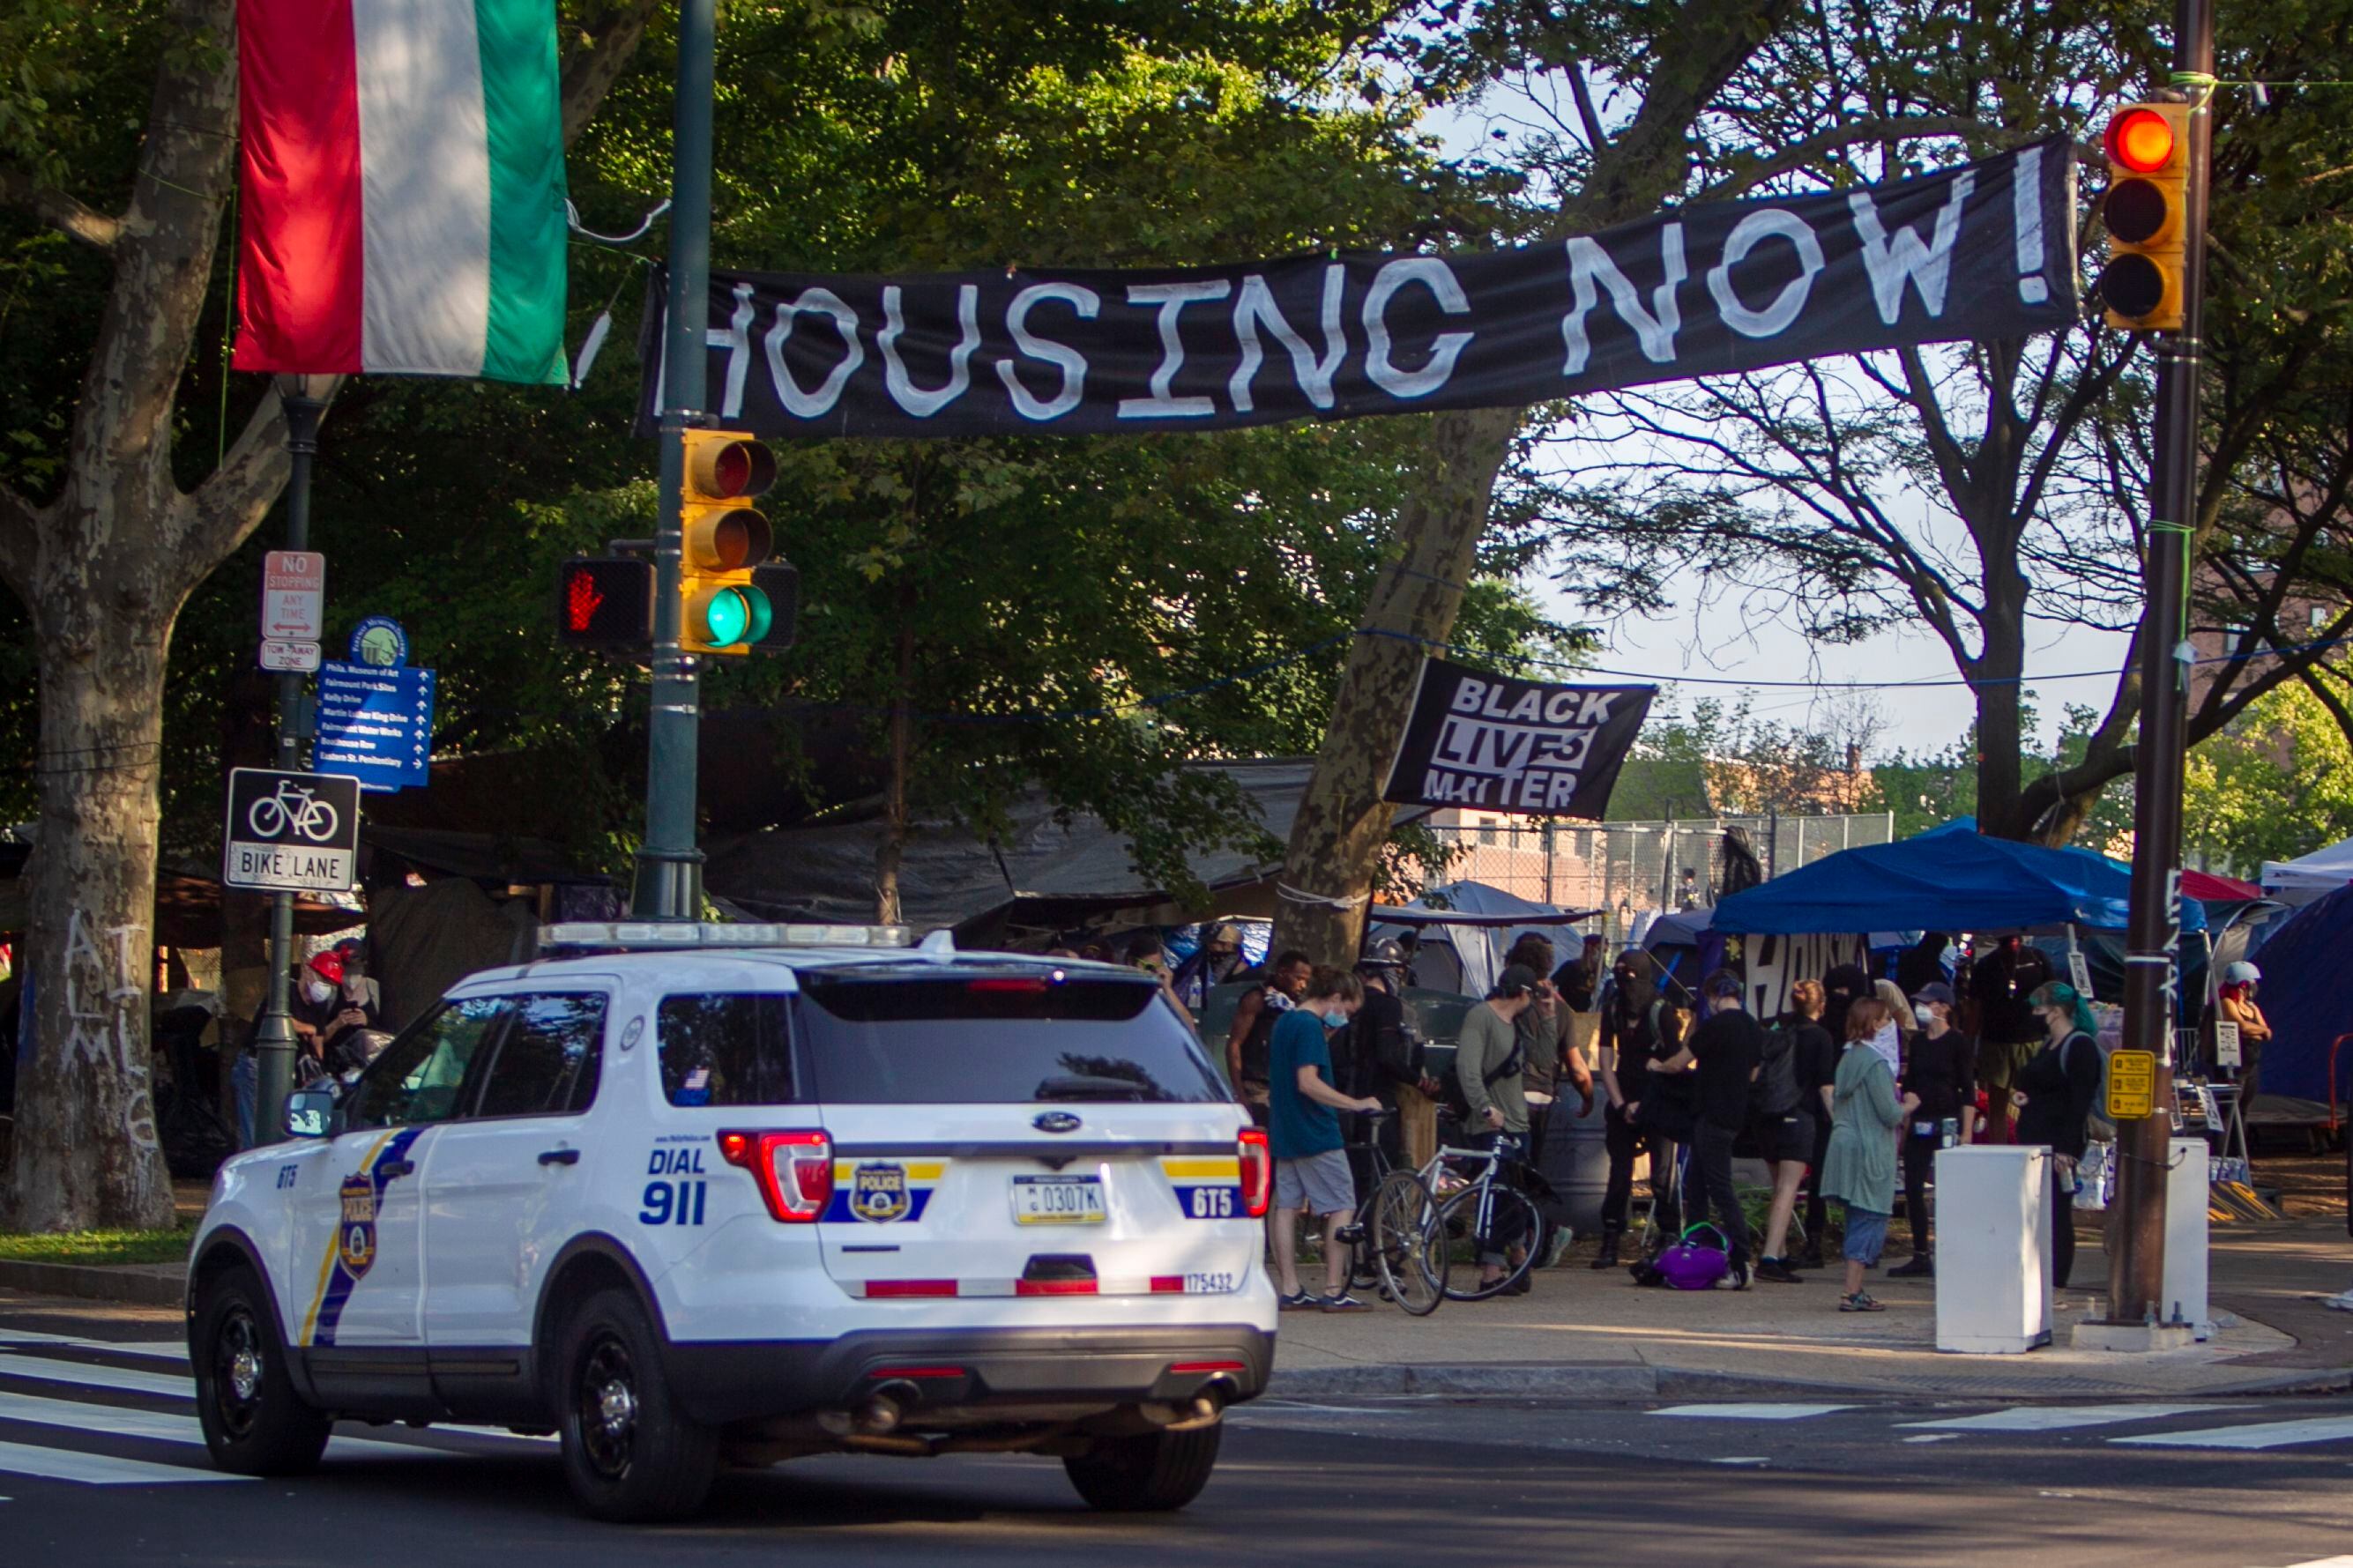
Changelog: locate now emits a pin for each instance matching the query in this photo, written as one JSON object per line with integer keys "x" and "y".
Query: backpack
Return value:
{"x": 1774, "y": 1092}
{"x": 1458, "y": 1104}
{"x": 2097, "y": 1125}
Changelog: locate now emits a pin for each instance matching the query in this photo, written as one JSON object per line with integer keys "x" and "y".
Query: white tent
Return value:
{"x": 1466, "y": 928}
{"x": 2302, "y": 880}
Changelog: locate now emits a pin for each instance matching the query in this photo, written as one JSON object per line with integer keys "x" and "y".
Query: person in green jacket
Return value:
{"x": 1860, "y": 1168}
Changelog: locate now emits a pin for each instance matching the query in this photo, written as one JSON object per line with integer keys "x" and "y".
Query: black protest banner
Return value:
{"x": 1981, "y": 251}
{"x": 1503, "y": 744}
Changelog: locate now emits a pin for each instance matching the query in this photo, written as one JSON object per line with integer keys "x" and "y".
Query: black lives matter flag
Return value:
{"x": 1984, "y": 250}
{"x": 1503, "y": 744}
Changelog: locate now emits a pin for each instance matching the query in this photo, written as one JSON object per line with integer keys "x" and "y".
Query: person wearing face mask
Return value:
{"x": 1302, "y": 1129}
{"x": 2057, "y": 1088}
{"x": 1727, "y": 1050}
{"x": 1489, "y": 1065}
{"x": 1941, "y": 1071}
{"x": 1637, "y": 1029}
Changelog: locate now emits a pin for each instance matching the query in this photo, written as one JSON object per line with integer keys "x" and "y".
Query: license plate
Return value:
{"x": 1058, "y": 1200}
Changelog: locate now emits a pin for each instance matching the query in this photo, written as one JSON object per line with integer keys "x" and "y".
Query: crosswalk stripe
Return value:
{"x": 159, "y": 1349}
{"x": 2263, "y": 1435}
{"x": 100, "y": 1469}
{"x": 180, "y": 1385}
{"x": 2057, "y": 1417}
{"x": 114, "y": 1421}
{"x": 1751, "y": 1412}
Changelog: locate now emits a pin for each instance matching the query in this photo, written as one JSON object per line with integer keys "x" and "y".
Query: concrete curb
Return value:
{"x": 136, "y": 1285}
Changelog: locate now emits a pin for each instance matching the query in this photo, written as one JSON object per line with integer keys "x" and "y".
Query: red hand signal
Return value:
{"x": 581, "y": 599}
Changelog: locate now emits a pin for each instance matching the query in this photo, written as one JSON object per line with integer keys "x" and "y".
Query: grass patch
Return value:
{"x": 167, "y": 1246}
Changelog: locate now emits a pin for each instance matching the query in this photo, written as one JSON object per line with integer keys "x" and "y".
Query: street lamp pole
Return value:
{"x": 670, "y": 867}
{"x": 304, "y": 399}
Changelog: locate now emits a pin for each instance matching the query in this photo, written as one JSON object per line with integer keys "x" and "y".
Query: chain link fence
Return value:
{"x": 1625, "y": 868}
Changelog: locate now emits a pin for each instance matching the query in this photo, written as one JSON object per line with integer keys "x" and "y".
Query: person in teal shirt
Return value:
{"x": 1302, "y": 1134}
{"x": 1860, "y": 1169}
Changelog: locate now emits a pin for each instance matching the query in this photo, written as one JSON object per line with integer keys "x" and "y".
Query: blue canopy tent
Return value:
{"x": 1948, "y": 878}
{"x": 2305, "y": 1000}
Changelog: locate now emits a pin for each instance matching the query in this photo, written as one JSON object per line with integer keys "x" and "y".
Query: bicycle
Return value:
{"x": 1483, "y": 1207}
{"x": 292, "y": 809}
{"x": 1399, "y": 1237}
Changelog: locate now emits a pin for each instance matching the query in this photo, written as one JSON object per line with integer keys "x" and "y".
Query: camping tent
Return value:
{"x": 1466, "y": 928}
{"x": 2302, "y": 880}
{"x": 1948, "y": 878}
{"x": 2305, "y": 1000}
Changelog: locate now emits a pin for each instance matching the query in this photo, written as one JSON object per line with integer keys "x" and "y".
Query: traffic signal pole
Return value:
{"x": 670, "y": 867}
{"x": 2136, "y": 1275}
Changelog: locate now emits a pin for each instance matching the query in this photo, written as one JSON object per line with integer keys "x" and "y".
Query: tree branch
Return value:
{"x": 597, "y": 64}
{"x": 58, "y": 210}
{"x": 1799, "y": 154}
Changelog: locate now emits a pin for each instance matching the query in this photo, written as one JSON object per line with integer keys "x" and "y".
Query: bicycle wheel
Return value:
{"x": 1459, "y": 1216}
{"x": 1409, "y": 1243}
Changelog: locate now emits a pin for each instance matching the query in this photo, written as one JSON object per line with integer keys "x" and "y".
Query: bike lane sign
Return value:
{"x": 290, "y": 832}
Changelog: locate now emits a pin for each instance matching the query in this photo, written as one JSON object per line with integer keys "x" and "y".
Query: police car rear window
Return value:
{"x": 994, "y": 1039}
{"x": 722, "y": 1049}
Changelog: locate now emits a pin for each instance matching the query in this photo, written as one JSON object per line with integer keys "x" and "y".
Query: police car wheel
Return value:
{"x": 254, "y": 1422}
{"x": 628, "y": 1453}
{"x": 1150, "y": 1474}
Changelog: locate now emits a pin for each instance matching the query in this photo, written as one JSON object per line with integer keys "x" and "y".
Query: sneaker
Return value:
{"x": 1556, "y": 1247}
{"x": 1343, "y": 1302}
{"x": 1522, "y": 1285}
{"x": 1919, "y": 1267}
{"x": 1607, "y": 1256}
{"x": 1740, "y": 1274}
{"x": 1861, "y": 1301}
{"x": 1778, "y": 1272}
{"x": 1298, "y": 1301}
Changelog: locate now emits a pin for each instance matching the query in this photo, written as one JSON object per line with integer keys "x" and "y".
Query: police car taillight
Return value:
{"x": 1258, "y": 1171}
{"x": 794, "y": 1169}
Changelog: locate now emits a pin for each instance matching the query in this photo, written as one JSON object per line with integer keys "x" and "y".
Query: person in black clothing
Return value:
{"x": 1637, "y": 1029}
{"x": 1841, "y": 987}
{"x": 1382, "y": 1054}
{"x": 1254, "y": 1028}
{"x": 1922, "y": 964}
{"x": 1726, "y": 1047}
{"x": 2057, "y": 1087}
{"x": 1792, "y": 1116}
{"x": 2002, "y": 982}
{"x": 1942, "y": 1071}
{"x": 1818, "y": 1054}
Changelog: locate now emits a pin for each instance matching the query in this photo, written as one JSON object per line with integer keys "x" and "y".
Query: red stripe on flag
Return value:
{"x": 300, "y": 264}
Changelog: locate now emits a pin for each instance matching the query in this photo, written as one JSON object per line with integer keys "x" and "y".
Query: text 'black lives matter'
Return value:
{"x": 1980, "y": 251}
{"x": 1498, "y": 743}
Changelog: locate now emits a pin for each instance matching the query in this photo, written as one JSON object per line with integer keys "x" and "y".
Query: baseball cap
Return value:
{"x": 1515, "y": 979}
{"x": 1935, "y": 991}
{"x": 1723, "y": 984}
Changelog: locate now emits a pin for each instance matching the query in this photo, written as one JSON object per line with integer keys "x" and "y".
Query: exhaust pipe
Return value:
{"x": 878, "y": 1417}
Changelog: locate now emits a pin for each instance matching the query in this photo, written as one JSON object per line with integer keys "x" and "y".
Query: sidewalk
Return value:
{"x": 1582, "y": 1334}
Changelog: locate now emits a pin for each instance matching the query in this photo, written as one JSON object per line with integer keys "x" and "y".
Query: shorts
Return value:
{"x": 1784, "y": 1138}
{"x": 1320, "y": 1183}
{"x": 1866, "y": 1235}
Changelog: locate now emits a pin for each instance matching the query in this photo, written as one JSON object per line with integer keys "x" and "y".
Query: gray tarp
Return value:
{"x": 1042, "y": 873}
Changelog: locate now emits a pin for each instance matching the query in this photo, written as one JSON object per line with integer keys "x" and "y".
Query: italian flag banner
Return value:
{"x": 402, "y": 164}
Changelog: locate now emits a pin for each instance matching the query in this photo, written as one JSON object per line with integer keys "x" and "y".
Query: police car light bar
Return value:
{"x": 661, "y": 934}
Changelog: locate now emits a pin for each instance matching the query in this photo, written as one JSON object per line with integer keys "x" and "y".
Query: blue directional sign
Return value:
{"x": 375, "y": 723}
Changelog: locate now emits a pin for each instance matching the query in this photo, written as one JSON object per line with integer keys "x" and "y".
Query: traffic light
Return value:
{"x": 2148, "y": 182}
{"x": 736, "y": 600}
{"x": 605, "y": 602}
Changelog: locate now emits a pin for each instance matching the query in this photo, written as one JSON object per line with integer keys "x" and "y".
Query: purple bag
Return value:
{"x": 1691, "y": 1265}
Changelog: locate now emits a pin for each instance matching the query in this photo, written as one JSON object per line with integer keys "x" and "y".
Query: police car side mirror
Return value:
{"x": 311, "y": 1112}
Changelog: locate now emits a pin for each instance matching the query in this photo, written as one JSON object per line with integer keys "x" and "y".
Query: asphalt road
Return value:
{"x": 99, "y": 1464}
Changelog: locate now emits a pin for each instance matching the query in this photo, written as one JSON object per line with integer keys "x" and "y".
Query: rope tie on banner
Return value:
{"x": 1285, "y": 891}
{"x": 572, "y": 217}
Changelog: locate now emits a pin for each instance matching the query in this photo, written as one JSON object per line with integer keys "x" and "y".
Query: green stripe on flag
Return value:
{"x": 524, "y": 103}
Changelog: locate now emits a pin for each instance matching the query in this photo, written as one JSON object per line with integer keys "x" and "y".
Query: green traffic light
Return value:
{"x": 726, "y": 616}
{"x": 762, "y": 615}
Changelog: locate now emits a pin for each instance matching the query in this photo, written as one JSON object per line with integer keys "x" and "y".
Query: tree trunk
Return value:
{"x": 87, "y": 1154}
{"x": 1336, "y": 839}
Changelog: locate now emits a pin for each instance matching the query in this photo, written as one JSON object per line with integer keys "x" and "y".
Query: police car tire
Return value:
{"x": 1154, "y": 1473}
{"x": 281, "y": 1434}
{"x": 671, "y": 1461}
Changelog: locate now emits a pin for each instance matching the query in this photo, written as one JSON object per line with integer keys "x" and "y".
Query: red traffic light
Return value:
{"x": 2141, "y": 140}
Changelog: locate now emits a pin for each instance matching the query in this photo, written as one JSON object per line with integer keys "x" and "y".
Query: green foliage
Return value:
{"x": 168, "y": 1245}
{"x": 2276, "y": 785}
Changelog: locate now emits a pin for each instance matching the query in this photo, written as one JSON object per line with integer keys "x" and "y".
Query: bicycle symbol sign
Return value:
{"x": 288, "y": 831}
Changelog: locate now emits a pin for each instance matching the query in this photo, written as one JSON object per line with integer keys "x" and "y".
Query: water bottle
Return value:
{"x": 1949, "y": 1131}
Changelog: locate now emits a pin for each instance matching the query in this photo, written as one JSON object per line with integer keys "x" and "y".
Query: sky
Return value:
{"x": 1717, "y": 650}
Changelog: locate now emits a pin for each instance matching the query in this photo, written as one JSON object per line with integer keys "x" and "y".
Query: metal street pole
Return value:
{"x": 670, "y": 867}
{"x": 2136, "y": 1275}
{"x": 304, "y": 399}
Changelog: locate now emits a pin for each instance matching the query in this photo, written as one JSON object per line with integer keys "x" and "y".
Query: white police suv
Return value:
{"x": 757, "y": 1193}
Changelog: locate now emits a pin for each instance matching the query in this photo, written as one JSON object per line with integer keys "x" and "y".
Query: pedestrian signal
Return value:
{"x": 2148, "y": 183}
{"x": 605, "y": 601}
